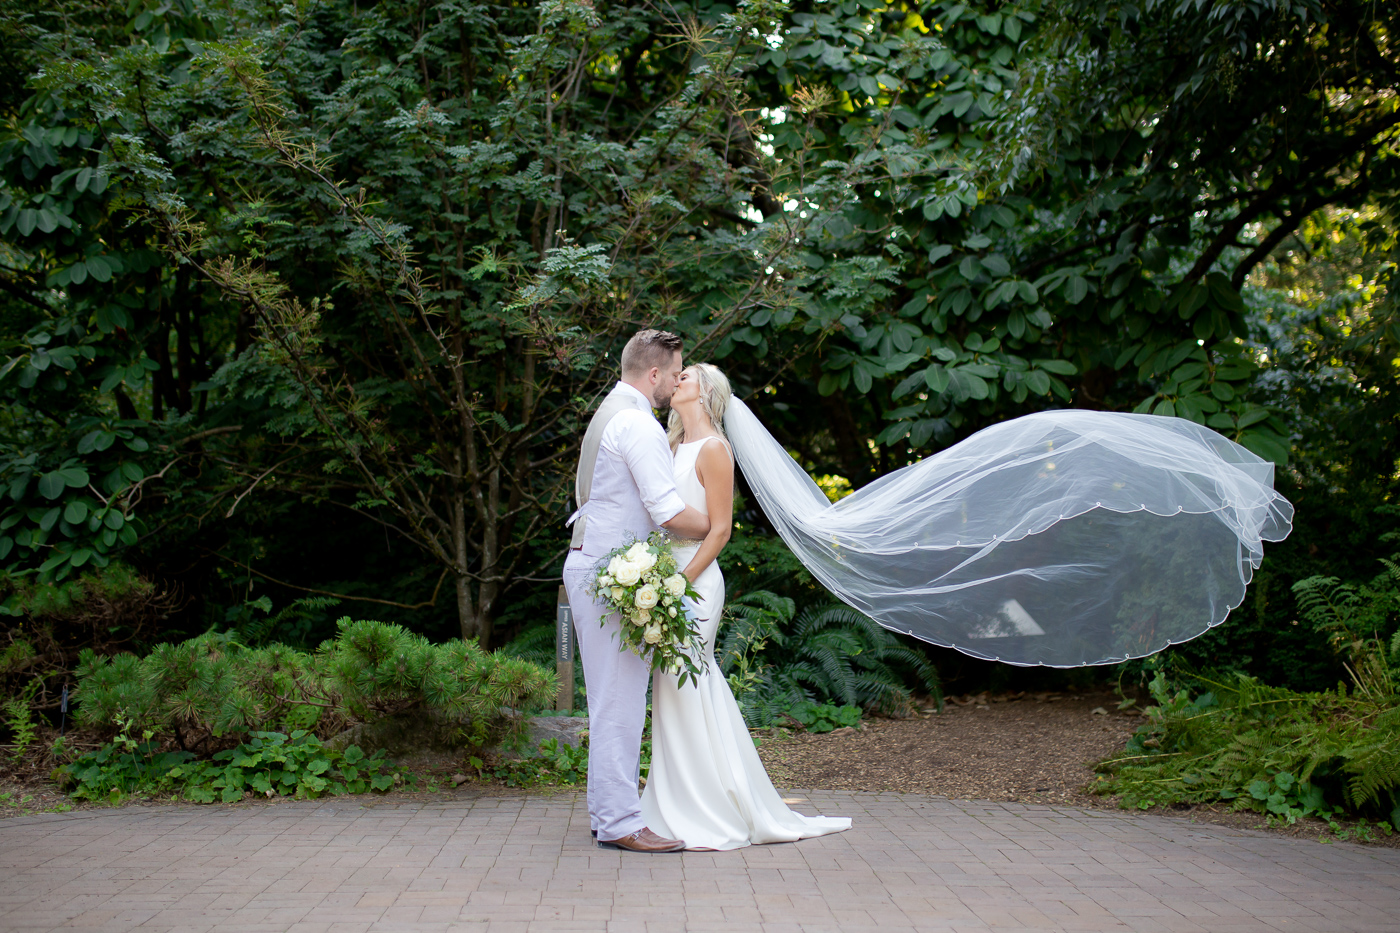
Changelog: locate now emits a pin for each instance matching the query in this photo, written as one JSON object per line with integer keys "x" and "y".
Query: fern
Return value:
{"x": 258, "y": 632}
{"x": 1289, "y": 754}
{"x": 535, "y": 645}
{"x": 824, "y": 654}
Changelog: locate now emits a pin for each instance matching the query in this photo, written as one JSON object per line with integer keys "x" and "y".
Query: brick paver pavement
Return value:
{"x": 506, "y": 864}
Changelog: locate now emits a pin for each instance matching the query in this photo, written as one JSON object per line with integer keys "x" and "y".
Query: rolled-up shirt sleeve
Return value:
{"x": 641, "y": 442}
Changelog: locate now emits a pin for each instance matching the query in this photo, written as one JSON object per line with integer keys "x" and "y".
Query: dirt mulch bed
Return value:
{"x": 1026, "y": 748}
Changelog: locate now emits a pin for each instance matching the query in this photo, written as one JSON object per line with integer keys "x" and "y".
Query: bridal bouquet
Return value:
{"x": 641, "y": 582}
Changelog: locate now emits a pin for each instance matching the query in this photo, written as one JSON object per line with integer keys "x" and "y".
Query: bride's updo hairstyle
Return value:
{"x": 714, "y": 400}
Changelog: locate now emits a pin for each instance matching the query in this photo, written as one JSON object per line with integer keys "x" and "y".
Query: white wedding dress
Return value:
{"x": 707, "y": 785}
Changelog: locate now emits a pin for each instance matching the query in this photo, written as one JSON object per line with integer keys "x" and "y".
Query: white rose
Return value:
{"x": 615, "y": 563}
{"x": 653, "y": 633}
{"x": 642, "y": 556}
{"x": 605, "y": 580}
{"x": 675, "y": 584}
{"x": 641, "y": 616}
{"x": 628, "y": 574}
{"x": 671, "y": 612}
{"x": 646, "y": 597}
{"x": 618, "y": 592}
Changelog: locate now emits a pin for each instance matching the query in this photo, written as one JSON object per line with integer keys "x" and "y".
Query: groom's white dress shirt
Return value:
{"x": 634, "y": 491}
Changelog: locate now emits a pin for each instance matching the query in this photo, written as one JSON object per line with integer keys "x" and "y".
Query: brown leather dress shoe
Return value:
{"x": 643, "y": 840}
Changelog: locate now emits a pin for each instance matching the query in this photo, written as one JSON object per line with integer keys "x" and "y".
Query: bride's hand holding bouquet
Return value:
{"x": 642, "y": 583}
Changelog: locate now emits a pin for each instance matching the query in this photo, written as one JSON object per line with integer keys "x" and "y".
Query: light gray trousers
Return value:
{"x": 616, "y": 680}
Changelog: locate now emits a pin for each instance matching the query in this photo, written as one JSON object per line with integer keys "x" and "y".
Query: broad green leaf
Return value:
{"x": 51, "y": 485}
{"x": 99, "y": 269}
{"x": 1016, "y": 323}
{"x": 921, "y": 431}
{"x": 75, "y": 512}
{"x": 1252, "y": 417}
{"x": 53, "y": 562}
{"x": 77, "y": 477}
{"x": 1038, "y": 382}
{"x": 936, "y": 253}
{"x": 1058, "y": 367}
{"x": 1076, "y": 288}
{"x": 996, "y": 264}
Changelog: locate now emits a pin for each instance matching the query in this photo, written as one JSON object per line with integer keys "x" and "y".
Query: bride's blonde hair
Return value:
{"x": 714, "y": 399}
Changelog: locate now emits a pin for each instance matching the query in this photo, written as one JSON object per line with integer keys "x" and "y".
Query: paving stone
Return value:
{"x": 525, "y": 864}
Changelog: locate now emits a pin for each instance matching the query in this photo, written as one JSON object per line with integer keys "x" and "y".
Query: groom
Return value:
{"x": 625, "y": 489}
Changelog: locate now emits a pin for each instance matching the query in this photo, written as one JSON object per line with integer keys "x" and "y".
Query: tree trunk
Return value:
{"x": 466, "y": 612}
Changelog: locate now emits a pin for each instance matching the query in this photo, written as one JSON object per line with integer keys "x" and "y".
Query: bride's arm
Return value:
{"x": 716, "y": 471}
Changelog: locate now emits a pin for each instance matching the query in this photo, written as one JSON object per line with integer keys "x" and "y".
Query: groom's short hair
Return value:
{"x": 646, "y": 349}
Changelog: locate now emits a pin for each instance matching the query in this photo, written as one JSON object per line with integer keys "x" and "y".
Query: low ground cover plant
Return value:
{"x": 268, "y": 764}
{"x": 1276, "y": 751}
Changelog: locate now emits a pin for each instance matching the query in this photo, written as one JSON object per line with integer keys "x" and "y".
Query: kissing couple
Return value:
{"x": 707, "y": 788}
{"x": 1062, "y": 538}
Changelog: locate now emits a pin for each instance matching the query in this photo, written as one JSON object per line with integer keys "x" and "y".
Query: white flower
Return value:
{"x": 615, "y": 563}
{"x": 628, "y": 573}
{"x": 653, "y": 633}
{"x": 642, "y": 556}
{"x": 605, "y": 580}
{"x": 646, "y": 597}
{"x": 671, "y": 612}
{"x": 641, "y": 616}
{"x": 618, "y": 592}
{"x": 675, "y": 584}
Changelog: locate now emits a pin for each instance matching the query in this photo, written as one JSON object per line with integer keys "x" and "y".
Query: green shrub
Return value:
{"x": 1268, "y": 749}
{"x": 269, "y": 764}
{"x": 555, "y": 764}
{"x": 776, "y": 657}
{"x": 823, "y": 717}
{"x": 204, "y": 691}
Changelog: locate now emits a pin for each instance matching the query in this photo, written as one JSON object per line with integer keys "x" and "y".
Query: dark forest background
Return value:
{"x": 313, "y": 298}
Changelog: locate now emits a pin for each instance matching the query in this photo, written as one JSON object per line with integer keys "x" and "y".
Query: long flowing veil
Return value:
{"x": 1063, "y": 539}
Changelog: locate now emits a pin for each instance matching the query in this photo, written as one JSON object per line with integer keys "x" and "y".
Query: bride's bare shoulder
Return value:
{"x": 715, "y": 454}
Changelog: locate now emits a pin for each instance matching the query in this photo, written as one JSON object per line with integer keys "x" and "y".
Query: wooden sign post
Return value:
{"x": 564, "y": 652}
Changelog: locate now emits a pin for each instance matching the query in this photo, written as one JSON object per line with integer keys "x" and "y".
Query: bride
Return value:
{"x": 707, "y": 784}
{"x": 1063, "y": 538}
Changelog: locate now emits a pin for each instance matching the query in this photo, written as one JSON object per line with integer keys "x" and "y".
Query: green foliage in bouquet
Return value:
{"x": 269, "y": 764}
{"x": 200, "y": 691}
{"x": 641, "y": 582}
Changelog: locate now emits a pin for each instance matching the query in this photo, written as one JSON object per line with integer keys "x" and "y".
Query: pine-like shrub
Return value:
{"x": 211, "y": 690}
